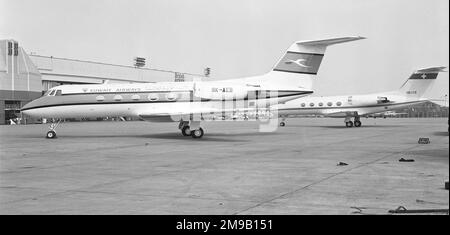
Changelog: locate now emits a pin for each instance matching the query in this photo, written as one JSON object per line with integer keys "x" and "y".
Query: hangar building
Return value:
{"x": 26, "y": 77}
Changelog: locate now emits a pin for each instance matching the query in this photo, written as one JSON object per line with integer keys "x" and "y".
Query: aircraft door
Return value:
{"x": 350, "y": 100}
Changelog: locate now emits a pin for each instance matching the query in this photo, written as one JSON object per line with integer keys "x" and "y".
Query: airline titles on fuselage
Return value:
{"x": 108, "y": 90}
{"x": 146, "y": 88}
{"x": 131, "y": 90}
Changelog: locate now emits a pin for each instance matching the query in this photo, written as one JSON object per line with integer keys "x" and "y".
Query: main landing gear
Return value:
{"x": 349, "y": 124}
{"x": 191, "y": 129}
{"x": 356, "y": 123}
{"x": 51, "y": 134}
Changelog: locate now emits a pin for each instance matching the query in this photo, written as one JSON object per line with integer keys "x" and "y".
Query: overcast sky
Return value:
{"x": 242, "y": 38}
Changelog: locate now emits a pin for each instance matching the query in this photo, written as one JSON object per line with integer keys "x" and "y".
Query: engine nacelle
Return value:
{"x": 382, "y": 100}
{"x": 367, "y": 100}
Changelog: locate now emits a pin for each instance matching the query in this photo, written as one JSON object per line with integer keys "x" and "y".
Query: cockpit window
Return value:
{"x": 47, "y": 93}
{"x": 58, "y": 93}
{"x": 52, "y": 93}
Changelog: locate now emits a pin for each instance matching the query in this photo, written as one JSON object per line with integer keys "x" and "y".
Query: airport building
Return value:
{"x": 24, "y": 77}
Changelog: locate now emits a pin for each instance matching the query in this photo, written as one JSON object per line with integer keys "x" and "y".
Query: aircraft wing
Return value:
{"x": 351, "y": 113}
{"x": 175, "y": 116}
{"x": 347, "y": 113}
{"x": 361, "y": 111}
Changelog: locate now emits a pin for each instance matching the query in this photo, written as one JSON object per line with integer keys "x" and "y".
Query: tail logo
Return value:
{"x": 424, "y": 76}
{"x": 297, "y": 62}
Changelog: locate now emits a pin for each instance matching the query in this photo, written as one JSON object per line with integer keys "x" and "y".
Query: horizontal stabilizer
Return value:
{"x": 427, "y": 73}
{"x": 432, "y": 70}
{"x": 328, "y": 42}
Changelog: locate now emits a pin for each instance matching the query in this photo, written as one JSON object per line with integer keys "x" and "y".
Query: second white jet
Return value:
{"x": 355, "y": 106}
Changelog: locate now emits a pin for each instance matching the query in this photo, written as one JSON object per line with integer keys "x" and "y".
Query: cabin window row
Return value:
{"x": 321, "y": 104}
{"x": 151, "y": 97}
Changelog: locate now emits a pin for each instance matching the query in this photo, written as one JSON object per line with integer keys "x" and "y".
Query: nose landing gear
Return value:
{"x": 51, "y": 134}
{"x": 283, "y": 121}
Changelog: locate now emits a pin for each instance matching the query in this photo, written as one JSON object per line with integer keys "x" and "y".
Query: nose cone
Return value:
{"x": 31, "y": 108}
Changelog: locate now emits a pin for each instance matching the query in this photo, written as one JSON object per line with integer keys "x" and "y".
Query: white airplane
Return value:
{"x": 186, "y": 102}
{"x": 355, "y": 106}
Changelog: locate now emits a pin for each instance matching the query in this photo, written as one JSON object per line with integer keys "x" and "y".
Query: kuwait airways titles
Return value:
{"x": 108, "y": 90}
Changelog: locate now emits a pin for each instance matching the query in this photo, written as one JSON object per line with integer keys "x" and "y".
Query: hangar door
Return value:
{"x": 12, "y": 111}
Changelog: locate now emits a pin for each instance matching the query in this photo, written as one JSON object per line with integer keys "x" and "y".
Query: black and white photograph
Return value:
{"x": 224, "y": 108}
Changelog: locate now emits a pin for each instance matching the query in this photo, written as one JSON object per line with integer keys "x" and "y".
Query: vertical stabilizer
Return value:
{"x": 420, "y": 81}
{"x": 301, "y": 62}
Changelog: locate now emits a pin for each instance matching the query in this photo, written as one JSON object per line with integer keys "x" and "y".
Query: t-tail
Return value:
{"x": 301, "y": 62}
{"x": 419, "y": 82}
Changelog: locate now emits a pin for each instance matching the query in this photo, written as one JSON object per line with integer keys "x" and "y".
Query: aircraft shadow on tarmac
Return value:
{"x": 222, "y": 137}
{"x": 436, "y": 153}
{"x": 177, "y": 136}
{"x": 344, "y": 127}
{"x": 219, "y": 137}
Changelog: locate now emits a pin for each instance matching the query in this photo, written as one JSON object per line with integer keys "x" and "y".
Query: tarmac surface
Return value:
{"x": 149, "y": 168}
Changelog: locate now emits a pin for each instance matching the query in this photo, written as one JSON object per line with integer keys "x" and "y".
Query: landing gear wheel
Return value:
{"x": 349, "y": 124}
{"x": 186, "y": 131}
{"x": 51, "y": 135}
{"x": 358, "y": 123}
{"x": 282, "y": 124}
{"x": 198, "y": 133}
